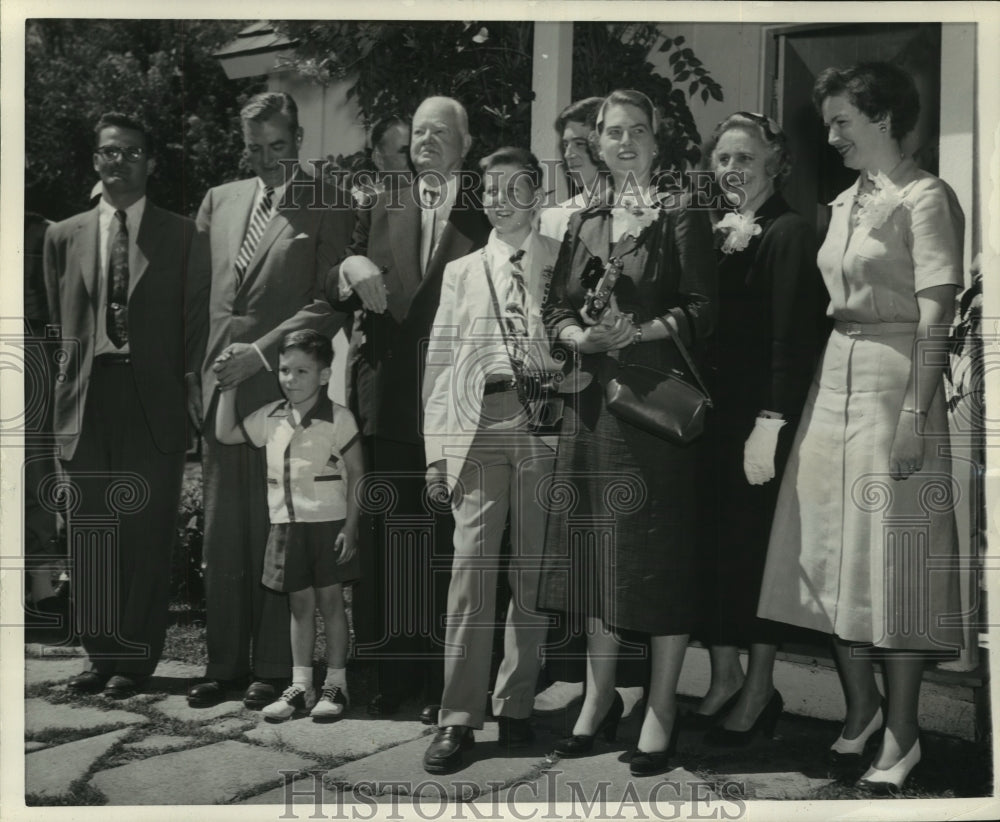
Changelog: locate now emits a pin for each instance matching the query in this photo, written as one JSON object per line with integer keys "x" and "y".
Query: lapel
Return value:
{"x": 240, "y": 205}
{"x": 275, "y": 227}
{"x": 404, "y": 228}
{"x": 595, "y": 231}
{"x": 147, "y": 241}
{"x": 89, "y": 259}
{"x": 457, "y": 240}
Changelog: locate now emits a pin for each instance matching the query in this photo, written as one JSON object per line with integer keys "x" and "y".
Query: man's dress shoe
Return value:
{"x": 445, "y": 753}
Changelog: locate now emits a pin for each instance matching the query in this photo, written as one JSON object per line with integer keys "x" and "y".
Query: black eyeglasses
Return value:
{"x": 771, "y": 128}
{"x": 114, "y": 153}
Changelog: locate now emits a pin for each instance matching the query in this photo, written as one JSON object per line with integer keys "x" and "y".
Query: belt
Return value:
{"x": 496, "y": 386}
{"x": 113, "y": 359}
{"x": 873, "y": 329}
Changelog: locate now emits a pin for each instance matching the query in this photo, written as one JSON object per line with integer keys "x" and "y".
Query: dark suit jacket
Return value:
{"x": 389, "y": 373}
{"x": 164, "y": 333}
{"x": 283, "y": 280}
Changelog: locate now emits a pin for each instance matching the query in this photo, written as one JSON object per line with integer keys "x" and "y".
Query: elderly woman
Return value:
{"x": 761, "y": 358}
{"x": 865, "y": 537}
{"x": 634, "y": 571}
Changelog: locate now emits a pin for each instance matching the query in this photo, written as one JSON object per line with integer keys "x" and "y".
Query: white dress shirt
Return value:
{"x": 433, "y": 220}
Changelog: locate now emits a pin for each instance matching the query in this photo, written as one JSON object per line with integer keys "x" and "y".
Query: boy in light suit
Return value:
{"x": 488, "y": 353}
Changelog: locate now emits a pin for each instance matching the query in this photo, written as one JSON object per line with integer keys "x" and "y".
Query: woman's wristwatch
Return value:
{"x": 637, "y": 336}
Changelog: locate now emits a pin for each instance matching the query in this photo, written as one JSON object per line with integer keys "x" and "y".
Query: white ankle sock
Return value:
{"x": 336, "y": 676}
{"x": 302, "y": 676}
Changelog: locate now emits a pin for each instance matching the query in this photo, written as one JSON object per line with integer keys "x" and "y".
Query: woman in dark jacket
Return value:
{"x": 622, "y": 541}
{"x": 760, "y": 361}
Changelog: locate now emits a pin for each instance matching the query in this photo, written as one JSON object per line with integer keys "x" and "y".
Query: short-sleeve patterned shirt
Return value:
{"x": 306, "y": 475}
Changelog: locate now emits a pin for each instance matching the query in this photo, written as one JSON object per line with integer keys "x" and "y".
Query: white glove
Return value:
{"x": 758, "y": 452}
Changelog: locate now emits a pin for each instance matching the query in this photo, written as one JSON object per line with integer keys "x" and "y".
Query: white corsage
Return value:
{"x": 875, "y": 207}
{"x": 636, "y": 218}
{"x": 737, "y": 230}
{"x": 365, "y": 194}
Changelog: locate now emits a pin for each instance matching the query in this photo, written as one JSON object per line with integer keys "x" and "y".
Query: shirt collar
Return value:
{"x": 501, "y": 251}
{"x": 133, "y": 214}
{"x": 279, "y": 191}
{"x": 449, "y": 188}
{"x": 322, "y": 410}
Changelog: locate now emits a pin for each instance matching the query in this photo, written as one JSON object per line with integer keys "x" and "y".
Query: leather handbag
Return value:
{"x": 664, "y": 403}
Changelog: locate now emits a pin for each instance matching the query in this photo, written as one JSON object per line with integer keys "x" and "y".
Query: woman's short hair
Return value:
{"x": 876, "y": 90}
{"x": 779, "y": 157}
{"x": 628, "y": 97}
{"x": 517, "y": 157}
{"x": 316, "y": 345}
{"x": 581, "y": 111}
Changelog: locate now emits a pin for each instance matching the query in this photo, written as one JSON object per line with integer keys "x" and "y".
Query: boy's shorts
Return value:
{"x": 301, "y": 555}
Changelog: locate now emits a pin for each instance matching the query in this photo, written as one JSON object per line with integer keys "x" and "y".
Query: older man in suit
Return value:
{"x": 393, "y": 271}
{"x": 116, "y": 278}
{"x": 271, "y": 241}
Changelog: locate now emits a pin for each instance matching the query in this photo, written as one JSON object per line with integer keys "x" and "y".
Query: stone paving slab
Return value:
{"x": 486, "y": 766}
{"x": 347, "y": 738}
{"x": 50, "y": 772}
{"x": 44, "y": 651}
{"x": 159, "y": 743}
{"x": 787, "y": 785}
{"x": 213, "y": 774}
{"x": 605, "y": 777}
{"x": 41, "y": 671}
{"x": 303, "y": 792}
{"x": 175, "y": 669}
{"x": 176, "y": 707}
{"x": 230, "y": 724}
{"x": 40, "y": 715}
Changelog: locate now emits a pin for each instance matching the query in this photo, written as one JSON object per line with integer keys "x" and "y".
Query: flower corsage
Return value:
{"x": 737, "y": 230}
{"x": 636, "y": 217}
{"x": 875, "y": 206}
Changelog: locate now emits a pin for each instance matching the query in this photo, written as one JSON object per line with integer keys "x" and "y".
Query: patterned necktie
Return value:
{"x": 117, "y": 313}
{"x": 515, "y": 311}
{"x": 430, "y": 199}
{"x": 256, "y": 230}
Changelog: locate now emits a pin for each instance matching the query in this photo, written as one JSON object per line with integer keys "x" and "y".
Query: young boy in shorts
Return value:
{"x": 314, "y": 464}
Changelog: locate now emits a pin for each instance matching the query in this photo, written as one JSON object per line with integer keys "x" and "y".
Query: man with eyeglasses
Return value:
{"x": 271, "y": 240}
{"x": 118, "y": 286}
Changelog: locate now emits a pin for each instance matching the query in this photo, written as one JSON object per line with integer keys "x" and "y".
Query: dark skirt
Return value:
{"x": 735, "y": 523}
{"x": 301, "y": 555}
{"x": 621, "y": 542}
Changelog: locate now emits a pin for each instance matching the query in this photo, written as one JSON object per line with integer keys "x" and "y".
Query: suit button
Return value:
{"x": 237, "y": 312}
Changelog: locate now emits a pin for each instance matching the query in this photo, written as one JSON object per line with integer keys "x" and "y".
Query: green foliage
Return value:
{"x": 394, "y": 65}
{"x": 607, "y": 56}
{"x": 161, "y": 70}
{"x": 488, "y": 67}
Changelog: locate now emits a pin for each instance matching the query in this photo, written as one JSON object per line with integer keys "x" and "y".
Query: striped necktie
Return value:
{"x": 117, "y": 312}
{"x": 256, "y": 230}
{"x": 515, "y": 311}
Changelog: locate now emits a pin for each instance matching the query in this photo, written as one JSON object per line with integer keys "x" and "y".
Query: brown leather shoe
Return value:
{"x": 88, "y": 682}
{"x": 445, "y": 753}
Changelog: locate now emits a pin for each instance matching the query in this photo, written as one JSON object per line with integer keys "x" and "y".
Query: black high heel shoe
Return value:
{"x": 767, "y": 719}
{"x": 582, "y": 744}
{"x": 702, "y": 722}
{"x": 651, "y": 763}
